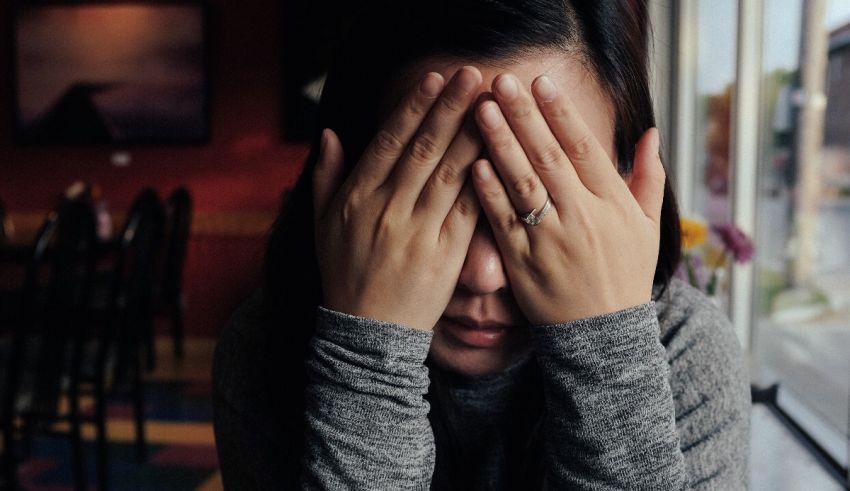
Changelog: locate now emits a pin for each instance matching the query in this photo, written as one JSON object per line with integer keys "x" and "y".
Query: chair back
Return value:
{"x": 57, "y": 295}
{"x": 131, "y": 299}
{"x": 178, "y": 218}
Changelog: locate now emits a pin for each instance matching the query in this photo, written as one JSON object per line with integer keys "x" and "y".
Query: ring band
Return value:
{"x": 534, "y": 217}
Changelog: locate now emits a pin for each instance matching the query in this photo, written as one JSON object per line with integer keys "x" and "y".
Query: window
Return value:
{"x": 760, "y": 135}
{"x": 802, "y": 307}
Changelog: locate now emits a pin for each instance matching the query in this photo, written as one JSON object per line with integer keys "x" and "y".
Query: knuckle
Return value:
{"x": 386, "y": 226}
{"x": 521, "y": 112}
{"x": 555, "y": 112}
{"x": 446, "y": 175}
{"x": 491, "y": 194}
{"x": 527, "y": 185}
{"x": 582, "y": 146}
{"x": 423, "y": 148}
{"x": 417, "y": 108}
{"x": 465, "y": 208}
{"x": 501, "y": 144}
{"x": 506, "y": 223}
{"x": 550, "y": 157}
{"x": 349, "y": 210}
{"x": 387, "y": 144}
{"x": 451, "y": 104}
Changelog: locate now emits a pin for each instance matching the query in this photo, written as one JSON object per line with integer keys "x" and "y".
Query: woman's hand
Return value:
{"x": 595, "y": 252}
{"x": 391, "y": 240}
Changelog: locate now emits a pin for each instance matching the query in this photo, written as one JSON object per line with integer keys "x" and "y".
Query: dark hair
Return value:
{"x": 609, "y": 36}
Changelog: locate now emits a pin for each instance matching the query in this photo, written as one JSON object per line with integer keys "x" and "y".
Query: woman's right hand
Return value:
{"x": 391, "y": 240}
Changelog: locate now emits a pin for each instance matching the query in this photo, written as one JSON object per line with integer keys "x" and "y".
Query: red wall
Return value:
{"x": 243, "y": 169}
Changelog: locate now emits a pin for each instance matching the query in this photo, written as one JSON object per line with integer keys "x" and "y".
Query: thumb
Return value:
{"x": 647, "y": 180}
{"x": 326, "y": 175}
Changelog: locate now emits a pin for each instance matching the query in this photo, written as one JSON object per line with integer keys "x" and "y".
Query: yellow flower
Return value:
{"x": 715, "y": 257}
{"x": 694, "y": 233}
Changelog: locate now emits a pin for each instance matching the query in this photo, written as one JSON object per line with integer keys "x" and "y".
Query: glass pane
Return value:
{"x": 715, "y": 77}
{"x": 802, "y": 312}
{"x": 716, "y": 60}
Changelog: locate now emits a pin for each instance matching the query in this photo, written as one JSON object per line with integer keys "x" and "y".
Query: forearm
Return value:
{"x": 366, "y": 417}
{"x": 610, "y": 413}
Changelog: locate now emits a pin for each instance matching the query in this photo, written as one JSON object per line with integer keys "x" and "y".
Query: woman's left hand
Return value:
{"x": 596, "y": 250}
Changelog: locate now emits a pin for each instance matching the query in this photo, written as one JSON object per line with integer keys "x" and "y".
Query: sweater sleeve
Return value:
{"x": 613, "y": 420}
{"x": 366, "y": 416}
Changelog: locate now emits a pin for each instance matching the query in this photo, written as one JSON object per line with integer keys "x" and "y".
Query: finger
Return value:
{"x": 388, "y": 145}
{"x": 536, "y": 138}
{"x": 509, "y": 231}
{"x": 459, "y": 224}
{"x": 436, "y": 133}
{"x": 592, "y": 164}
{"x": 328, "y": 172}
{"x": 647, "y": 180}
{"x": 523, "y": 185}
{"x": 445, "y": 183}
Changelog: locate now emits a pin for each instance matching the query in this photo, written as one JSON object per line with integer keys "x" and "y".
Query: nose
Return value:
{"x": 483, "y": 272}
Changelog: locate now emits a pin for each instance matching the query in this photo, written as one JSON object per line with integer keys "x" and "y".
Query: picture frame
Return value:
{"x": 106, "y": 72}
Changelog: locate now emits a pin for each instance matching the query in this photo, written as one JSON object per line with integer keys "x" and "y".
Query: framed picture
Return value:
{"x": 107, "y": 72}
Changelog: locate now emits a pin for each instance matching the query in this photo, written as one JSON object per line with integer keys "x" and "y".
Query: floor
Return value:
{"x": 779, "y": 462}
{"x": 182, "y": 446}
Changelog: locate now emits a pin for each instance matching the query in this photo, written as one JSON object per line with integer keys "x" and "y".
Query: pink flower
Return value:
{"x": 735, "y": 241}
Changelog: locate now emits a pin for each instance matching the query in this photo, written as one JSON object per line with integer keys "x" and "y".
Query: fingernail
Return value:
{"x": 491, "y": 115}
{"x": 431, "y": 85}
{"x": 468, "y": 79}
{"x": 545, "y": 89}
{"x": 482, "y": 170}
{"x": 507, "y": 88}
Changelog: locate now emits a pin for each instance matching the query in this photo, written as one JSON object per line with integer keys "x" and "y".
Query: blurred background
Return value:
{"x": 147, "y": 146}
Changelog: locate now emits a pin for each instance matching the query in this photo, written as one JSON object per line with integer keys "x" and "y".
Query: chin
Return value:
{"x": 454, "y": 355}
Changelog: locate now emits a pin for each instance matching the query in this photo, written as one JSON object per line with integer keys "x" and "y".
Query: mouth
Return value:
{"x": 475, "y": 334}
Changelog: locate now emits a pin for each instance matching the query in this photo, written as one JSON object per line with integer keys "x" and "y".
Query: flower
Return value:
{"x": 735, "y": 241}
{"x": 694, "y": 233}
{"x": 715, "y": 256}
{"x": 703, "y": 261}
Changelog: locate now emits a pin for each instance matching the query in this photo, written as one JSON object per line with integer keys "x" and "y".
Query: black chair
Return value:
{"x": 46, "y": 349}
{"x": 178, "y": 219}
{"x": 125, "y": 323}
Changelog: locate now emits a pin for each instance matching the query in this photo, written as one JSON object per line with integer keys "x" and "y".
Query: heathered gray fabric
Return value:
{"x": 485, "y": 409}
{"x": 652, "y": 397}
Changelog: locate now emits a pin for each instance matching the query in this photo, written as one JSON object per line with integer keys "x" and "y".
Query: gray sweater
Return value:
{"x": 651, "y": 397}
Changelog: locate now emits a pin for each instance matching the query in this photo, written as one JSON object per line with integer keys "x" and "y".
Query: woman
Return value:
{"x": 470, "y": 286}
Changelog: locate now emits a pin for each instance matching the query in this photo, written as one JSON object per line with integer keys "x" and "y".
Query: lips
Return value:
{"x": 473, "y": 333}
